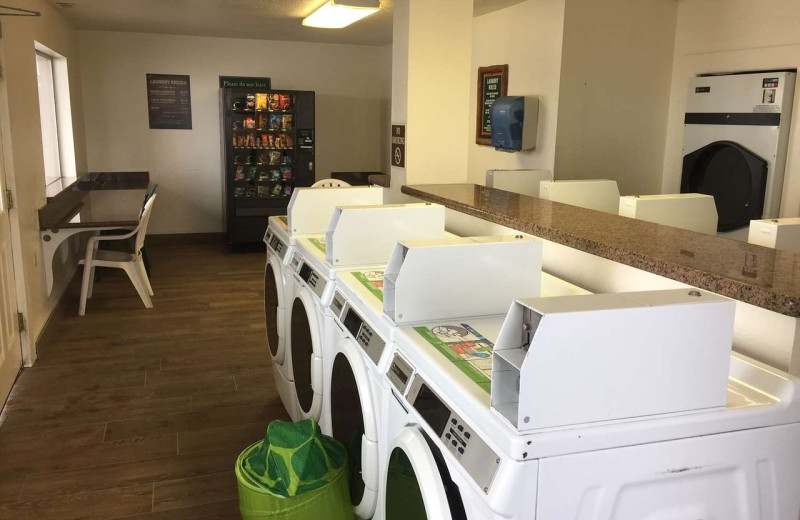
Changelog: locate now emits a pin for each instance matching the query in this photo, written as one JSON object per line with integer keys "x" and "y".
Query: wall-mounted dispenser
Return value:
{"x": 514, "y": 121}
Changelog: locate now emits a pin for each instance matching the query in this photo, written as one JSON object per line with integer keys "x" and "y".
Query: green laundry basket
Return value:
{"x": 295, "y": 473}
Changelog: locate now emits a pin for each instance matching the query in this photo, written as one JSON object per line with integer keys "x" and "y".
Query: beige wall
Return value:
{"x": 731, "y": 36}
{"x": 430, "y": 90}
{"x": 614, "y": 93}
{"x": 350, "y": 81}
{"x": 438, "y": 90}
{"x": 528, "y": 38}
{"x": 22, "y": 144}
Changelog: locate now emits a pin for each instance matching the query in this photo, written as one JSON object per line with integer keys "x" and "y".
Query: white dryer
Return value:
{"x": 309, "y": 212}
{"x": 357, "y": 236}
{"x": 736, "y": 133}
{"x": 458, "y": 449}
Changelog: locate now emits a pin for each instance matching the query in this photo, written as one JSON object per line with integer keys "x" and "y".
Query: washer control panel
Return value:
{"x": 276, "y": 244}
{"x": 366, "y": 337}
{"x": 311, "y": 277}
{"x": 480, "y": 461}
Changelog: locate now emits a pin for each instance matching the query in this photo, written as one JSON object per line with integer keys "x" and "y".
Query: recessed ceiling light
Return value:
{"x": 335, "y": 14}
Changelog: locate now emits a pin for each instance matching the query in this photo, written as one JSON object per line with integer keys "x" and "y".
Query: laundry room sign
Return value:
{"x": 492, "y": 84}
{"x": 169, "y": 102}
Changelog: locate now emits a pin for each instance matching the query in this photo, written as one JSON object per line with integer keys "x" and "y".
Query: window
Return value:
{"x": 56, "y": 120}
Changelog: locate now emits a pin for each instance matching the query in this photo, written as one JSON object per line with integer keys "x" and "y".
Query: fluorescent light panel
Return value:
{"x": 336, "y": 14}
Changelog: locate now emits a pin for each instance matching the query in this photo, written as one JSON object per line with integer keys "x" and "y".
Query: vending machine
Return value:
{"x": 268, "y": 150}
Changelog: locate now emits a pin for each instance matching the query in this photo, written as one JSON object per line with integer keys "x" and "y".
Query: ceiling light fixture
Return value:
{"x": 335, "y": 14}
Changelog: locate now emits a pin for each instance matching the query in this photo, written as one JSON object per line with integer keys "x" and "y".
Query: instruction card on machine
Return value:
{"x": 465, "y": 347}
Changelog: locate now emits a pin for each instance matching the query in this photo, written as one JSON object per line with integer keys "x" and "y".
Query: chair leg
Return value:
{"x": 87, "y": 274}
{"x": 145, "y": 279}
{"x": 91, "y": 281}
{"x": 146, "y": 259}
{"x": 136, "y": 279}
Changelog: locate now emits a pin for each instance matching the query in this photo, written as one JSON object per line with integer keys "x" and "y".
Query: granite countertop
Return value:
{"x": 103, "y": 199}
{"x": 757, "y": 275}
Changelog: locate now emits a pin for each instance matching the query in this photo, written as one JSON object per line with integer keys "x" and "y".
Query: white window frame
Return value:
{"x": 62, "y": 105}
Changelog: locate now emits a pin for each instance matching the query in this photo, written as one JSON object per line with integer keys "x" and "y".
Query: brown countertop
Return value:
{"x": 757, "y": 275}
{"x": 103, "y": 199}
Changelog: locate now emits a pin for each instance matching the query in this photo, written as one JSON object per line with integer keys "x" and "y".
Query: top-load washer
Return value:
{"x": 356, "y": 236}
{"x": 310, "y": 210}
{"x": 736, "y": 133}
{"x": 548, "y": 412}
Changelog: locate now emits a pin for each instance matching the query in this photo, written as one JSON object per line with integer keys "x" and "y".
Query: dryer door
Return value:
{"x": 273, "y": 305}
{"x": 733, "y": 175}
{"x": 417, "y": 483}
{"x": 306, "y": 337}
{"x": 354, "y": 423}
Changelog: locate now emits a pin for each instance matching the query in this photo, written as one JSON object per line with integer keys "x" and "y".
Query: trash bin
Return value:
{"x": 294, "y": 473}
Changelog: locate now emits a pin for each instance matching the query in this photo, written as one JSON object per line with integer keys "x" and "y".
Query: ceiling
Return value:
{"x": 255, "y": 19}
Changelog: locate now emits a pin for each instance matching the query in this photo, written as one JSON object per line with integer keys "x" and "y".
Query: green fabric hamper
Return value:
{"x": 295, "y": 473}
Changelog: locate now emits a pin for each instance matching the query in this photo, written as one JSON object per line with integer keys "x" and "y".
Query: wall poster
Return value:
{"x": 492, "y": 84}
{"x": 169, "y": 102}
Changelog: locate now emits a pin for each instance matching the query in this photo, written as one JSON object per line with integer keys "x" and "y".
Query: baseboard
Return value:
{"x": 186, "y": 238}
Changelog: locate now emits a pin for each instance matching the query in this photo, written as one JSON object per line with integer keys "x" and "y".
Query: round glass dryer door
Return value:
{"x": 415, "y": 486}
{"x": 733, "y": 175}
{"x": 305, "y": 338}
{"x": 354, "y": 423}
{"x": 273, "y": 284}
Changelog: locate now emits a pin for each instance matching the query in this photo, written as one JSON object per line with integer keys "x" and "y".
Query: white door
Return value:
{"x": 10, "y": 346}
{"x": 414, "y": 487}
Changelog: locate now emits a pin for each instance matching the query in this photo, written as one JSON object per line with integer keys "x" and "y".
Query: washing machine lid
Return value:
{"x": 273, "y": 305}
{"x": 356, "y": 425}
{"x": 733, "y": 175}
{"x": 305, "y": 344}
{"x": 417, "y": 484}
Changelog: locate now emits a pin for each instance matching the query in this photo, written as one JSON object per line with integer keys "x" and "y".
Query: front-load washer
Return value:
{"x": 352, "y": 371}
{"x": 365, "y": 236}
{"x": 454, "y": 454}
{"x": 352, "y": 368}
{"x": 736, "y": 134}
{"x": 309, "y": 211}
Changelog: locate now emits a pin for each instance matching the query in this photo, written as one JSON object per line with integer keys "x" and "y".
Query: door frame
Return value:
{"x": 9, "y": 183}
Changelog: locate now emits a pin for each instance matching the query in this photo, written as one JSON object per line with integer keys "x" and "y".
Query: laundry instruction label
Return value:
{"x": 372, "y": 281}
{"x": 319, "y": 243}
{"x": 465, "y": 347}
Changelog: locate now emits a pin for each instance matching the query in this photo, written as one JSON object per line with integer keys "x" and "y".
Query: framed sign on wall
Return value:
{"x": 169, "y": 102}
{"x": 492, "y": 84}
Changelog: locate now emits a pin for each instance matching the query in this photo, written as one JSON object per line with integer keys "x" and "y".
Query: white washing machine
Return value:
{"x": 357, "y": 236}
{"x": 736, "y": 133}
{"x": 457, "y": 449}
{"x": 354, "y": 386}
{"x": 309, "y": 211}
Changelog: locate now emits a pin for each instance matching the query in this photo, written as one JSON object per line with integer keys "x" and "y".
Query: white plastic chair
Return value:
{"x": 131, "y": 263}
{"x": 330, "y": 183}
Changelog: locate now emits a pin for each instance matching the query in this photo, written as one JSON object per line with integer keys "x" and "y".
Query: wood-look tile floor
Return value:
{"x": 140, "y": 413}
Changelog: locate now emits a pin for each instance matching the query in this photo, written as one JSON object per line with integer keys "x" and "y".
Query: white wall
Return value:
{"x": 730, "y": 36}
{"x": 350, "y": 81}
{"x": 527, "y": 37}
{"x": 22, "y": 147}
{"x": 614, "y": 92}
